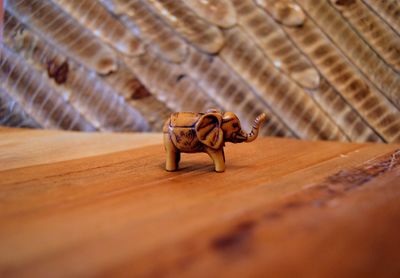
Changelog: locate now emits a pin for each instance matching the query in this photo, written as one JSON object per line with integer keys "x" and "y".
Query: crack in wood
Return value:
{"x": 314, "y": 197}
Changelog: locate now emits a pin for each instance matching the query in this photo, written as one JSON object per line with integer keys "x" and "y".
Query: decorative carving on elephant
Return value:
{"x": 204, "y": 132}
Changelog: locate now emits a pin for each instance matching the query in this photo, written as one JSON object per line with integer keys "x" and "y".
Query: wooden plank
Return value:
{"x": 346, "y": 226}
{"x": 48, "y": 146}
{"x": 117, "y": 212}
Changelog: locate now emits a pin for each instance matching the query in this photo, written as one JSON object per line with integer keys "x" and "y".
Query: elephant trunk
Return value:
{"x": 256, "y": 125}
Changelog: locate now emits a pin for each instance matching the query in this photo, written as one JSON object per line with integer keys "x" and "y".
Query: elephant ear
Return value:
{"x": 208, "y": 130}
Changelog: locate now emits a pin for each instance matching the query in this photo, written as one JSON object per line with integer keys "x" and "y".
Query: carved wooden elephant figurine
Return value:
{"x": 204, "y": 132}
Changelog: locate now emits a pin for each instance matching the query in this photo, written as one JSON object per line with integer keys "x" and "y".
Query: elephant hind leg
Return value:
{"x": 172, "y": 154}
{"x": 172, "y": 161}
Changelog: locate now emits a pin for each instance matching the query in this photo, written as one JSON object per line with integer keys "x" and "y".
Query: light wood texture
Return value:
{"x": 26, "y": 147}
{"x": 103, "y": 205}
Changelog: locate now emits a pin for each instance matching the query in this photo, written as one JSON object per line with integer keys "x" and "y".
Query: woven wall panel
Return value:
{"x": 325, "y": 70}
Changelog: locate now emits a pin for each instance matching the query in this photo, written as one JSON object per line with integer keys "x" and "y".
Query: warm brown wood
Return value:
{"x": 283, "y": 207}
{"x": 26, "y": 147}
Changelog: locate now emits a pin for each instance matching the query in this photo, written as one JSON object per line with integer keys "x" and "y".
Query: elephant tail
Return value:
{"x": 166, "y": 125}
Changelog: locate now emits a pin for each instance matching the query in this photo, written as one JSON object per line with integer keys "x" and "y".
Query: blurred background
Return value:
{"x": 320, "y": 69}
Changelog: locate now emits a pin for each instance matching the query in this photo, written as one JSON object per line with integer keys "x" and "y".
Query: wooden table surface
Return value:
{"x": 75, "y": 204}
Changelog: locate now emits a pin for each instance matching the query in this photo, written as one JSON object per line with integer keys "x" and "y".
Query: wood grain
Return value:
{"x": 102, "y": 205}
{"x": 25, "y": 147}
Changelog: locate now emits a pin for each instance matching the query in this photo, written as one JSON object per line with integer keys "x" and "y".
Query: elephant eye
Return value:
{"x": 235, "y": 125}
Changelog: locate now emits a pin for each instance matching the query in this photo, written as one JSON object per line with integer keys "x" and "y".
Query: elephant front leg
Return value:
{"x": 218, "y": 158}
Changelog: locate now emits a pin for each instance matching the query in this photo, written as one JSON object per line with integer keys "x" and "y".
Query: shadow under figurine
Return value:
{"x": 204, "y": 132}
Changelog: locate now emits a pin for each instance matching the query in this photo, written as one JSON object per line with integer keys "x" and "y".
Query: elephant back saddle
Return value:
{"x": 184, "y": 119}
{"x": 182, "y": 131}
